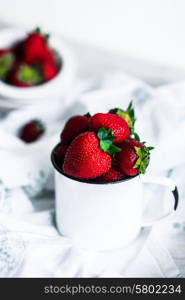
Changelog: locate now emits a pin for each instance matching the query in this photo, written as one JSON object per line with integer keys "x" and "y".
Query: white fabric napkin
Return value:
{"x": 28, "y": 234}
{"x": 38, "y": 251}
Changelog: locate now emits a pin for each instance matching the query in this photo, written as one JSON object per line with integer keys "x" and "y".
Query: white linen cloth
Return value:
{"x": 30, "y": 245}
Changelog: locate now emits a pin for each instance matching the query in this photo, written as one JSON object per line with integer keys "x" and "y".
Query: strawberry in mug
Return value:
{"x": 99, "y": 165}
{"x": 103, "y": 146}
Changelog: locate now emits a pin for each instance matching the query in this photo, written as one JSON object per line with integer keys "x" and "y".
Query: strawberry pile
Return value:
{"x": 29, "y": 62}
{"x": 103, "y": 147}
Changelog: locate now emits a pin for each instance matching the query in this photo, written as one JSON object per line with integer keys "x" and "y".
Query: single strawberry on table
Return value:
{"x": 133, "y": 158}
{"x": 74, "y": 127}
{"x": 89, "y": 155}
{"x": 117, "y": 124}
{"x": 31, "y": 131}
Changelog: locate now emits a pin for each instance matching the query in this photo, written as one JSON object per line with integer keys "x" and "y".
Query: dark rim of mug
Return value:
{"x": 90, "y": 181}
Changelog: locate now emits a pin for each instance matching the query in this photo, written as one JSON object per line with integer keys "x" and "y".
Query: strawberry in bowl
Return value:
{"x": 101, "y": 148}
{"x": 31, "y": 61}
{"x": 34, "y": 65}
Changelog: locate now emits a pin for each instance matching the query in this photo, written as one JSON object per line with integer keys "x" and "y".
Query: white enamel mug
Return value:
{"x": 98, "y": 216}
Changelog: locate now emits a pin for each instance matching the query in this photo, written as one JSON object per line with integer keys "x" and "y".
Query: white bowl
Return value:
{"x": 56, "y": 86}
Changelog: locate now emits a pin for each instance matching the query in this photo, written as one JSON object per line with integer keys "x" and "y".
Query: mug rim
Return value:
{"x": 90, "y": 181}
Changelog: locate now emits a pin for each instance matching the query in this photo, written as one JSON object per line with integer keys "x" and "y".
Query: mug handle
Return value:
{"x": 170, "y": 185}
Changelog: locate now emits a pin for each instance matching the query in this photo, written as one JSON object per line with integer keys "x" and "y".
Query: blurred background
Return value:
{"x": 150, "y": 30}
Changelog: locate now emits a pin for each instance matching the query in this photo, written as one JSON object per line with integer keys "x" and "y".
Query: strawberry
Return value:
{"x": 31, "y": 131}
{"x": 74, "y": 127}
{"x": 59, "y": 153}
{"x": 49, "y": 70}
{"x": 133, "y": 142}
{"x": 85, "y": 159}
{"x": 23, "y": 75}
{"x": 18, "y": 49}
{"x": 129, "y": 116}
{"x": 133, "y": 158}
{"x": 48, "y": 56}
{"x": 49, "y": 64}
{"x": 111, "y": 175}
{"x": 110, "y": 121}
{"x": 6, "y": 63}
{"x": 33, "y": 47}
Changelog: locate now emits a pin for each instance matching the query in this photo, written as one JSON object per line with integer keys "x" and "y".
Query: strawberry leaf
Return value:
{"x": 136, "y": 136}
{"x": 113, "y": 149}
{"x": 105, "y": 134}
{"x": 37, "y": 30}
{"x": 128, "y": 115}
{"x": 47, "y": 36}
{"x": 150, "y": 148}
{"x": 30, "y": 74}
{"x": 104, "y": 146}
{"x": 143, "y": 158}
{"x": 40, "y": 126}
{"x": 6, "y": 62}
{"x": 88, "y": 115}
{"x": 106, "y": 141}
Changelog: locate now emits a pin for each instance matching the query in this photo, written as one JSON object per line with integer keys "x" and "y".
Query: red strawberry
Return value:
{"x": 74, "y": 127}
{"x": 109, "y": 121}
{"x": 48, "y": 56}
{"x": 59, "y": 153}
{"x": 23, "y": 75}
{"x": 111, "y": 175}
{"x": 31, "y": 131}
{"x": 85, "y": 159}
{"x": 34, "y": 47}
{"x": 133, "y": 142}
{"x": 134, "y": 157}
{"x": 18, "y": 49}
{"x": 128, "y": 115}
{"x": 49, "y": 64}
{"x": 49, "y": 70}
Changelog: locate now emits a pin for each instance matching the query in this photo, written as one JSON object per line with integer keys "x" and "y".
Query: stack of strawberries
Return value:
{"x": 29, "y": 62}
{"x": 102, "y": 148}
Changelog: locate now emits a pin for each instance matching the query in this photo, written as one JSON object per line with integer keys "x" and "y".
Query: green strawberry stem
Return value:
{"x": 143, "y": 158}
{"x": 106, "y": 141}
{"x": 37, "y": 30}
{"x": 40, "y": 127}
{"x": 88, "y": 115}
{"x": 46, "y": 35}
